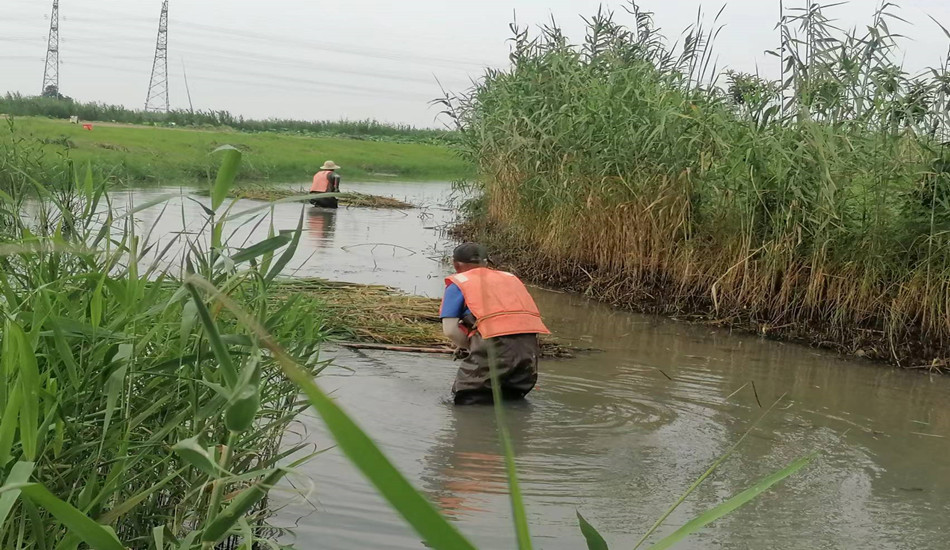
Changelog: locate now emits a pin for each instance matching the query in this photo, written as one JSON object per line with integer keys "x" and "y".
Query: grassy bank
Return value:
{"x": 370, "y": 130}
{"x": 165, "y": 156}
{"x": 815, "y": 208}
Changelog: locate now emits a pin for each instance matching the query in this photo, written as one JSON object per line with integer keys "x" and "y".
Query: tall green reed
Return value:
{"x": 814, "y": 207}
{"x": 132, "y": 410}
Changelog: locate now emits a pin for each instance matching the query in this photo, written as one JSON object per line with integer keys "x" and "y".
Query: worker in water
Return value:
{"x": 490, "y": 316}
{"x": 326, "y": 181}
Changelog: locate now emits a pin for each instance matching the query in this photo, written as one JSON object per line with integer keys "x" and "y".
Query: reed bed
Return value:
{"x": 134, "y": 408}
{"x": 816, "y": 207}
{"x": 381, "y": 315}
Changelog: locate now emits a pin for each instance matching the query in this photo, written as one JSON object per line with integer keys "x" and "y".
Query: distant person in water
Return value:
{"x": 490, "y": 316}
{"x": 326, "y": 181}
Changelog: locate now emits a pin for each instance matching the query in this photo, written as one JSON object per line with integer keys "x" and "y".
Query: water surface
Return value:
{"x": 617, "y": 435}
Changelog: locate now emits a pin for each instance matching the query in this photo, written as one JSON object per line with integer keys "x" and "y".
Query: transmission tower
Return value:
{"x": 157, "y": 99}
{"x": 51, "y": 74}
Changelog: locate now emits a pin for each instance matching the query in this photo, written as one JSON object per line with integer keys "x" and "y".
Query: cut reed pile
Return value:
{"x": 271, "y": 194}
{"x": 382, "y": 315}
{"x": 817, "y": 207}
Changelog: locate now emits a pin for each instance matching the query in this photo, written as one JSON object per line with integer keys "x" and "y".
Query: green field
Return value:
{"x": 160, "y": 156}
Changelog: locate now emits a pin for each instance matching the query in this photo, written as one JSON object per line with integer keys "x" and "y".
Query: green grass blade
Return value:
{"x": 706, "y": 474}
{"x": 593, "y": 538}
{"x": 241, "y": 504}
{"x": 8, "y": 425}
{"x": 518, "y": 511}
{"x": 19, "y": 474}
{"x": 288, "y": 253}
{"x": 227, "y": 173}
{"x": 355, "y": 443}
{"x": 733, "y": 503}
{"x": 29, "y": 385}
{"x": 96, "y": 536}
{"x": 261, "y": 248}
{"x": 217, "y": 345}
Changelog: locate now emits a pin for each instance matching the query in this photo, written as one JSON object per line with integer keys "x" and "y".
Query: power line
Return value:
{"x": 51, "y": 73}
{"x": 157, "y": 98}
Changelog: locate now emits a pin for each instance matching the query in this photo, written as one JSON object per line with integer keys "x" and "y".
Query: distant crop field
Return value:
{"x": 140, "y": 155}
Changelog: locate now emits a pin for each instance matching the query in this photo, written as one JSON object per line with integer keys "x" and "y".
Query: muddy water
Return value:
{"x": 617, "y": 435}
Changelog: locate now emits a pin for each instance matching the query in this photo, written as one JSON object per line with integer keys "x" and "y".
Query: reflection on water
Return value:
{"x": 321, "y": 227}
{"x": 618, "y": 435}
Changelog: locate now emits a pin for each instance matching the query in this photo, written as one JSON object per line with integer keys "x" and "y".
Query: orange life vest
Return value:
{"x": 500, "y": 303}
{"x": 321, "y": 182}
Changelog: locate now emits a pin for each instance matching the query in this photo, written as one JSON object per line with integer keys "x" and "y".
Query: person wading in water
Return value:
{"x": 326, "y": 181}
{"x": 489, "y": 315}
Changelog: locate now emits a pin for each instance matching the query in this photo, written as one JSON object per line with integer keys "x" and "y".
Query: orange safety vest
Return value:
{"x": 321, "y": 182}
{"x": 500, "y": 303}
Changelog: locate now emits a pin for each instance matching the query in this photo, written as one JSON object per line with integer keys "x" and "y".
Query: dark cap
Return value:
{"x": 470, "y": 253}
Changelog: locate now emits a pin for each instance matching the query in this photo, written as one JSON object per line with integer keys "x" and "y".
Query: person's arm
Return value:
{"x": 453, "y": 308}
{"x": 452, "y": 330}
{"x": 335, "y": 179}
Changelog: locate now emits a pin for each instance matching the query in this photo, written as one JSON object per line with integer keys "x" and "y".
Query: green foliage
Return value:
{"x": 127, "y": 395}
{"x": 816, "y": 204}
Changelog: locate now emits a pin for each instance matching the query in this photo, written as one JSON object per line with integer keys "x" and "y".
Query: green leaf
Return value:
{"x": 145, "y": 206}
{"x": 241, "y": 504}
{"x": 261, "y": 248}
{"x": 158, "y": 535}
{"x": 191, "y": 451}
{"x": 733, "y": 503}
{"x": 189, "y": 318}
{"x": 19, "y": 475}
{"x": 29, "y": 386}
{"x": 99, "y": 537}
{"x": 95, "y": 305}
{"x": 8, "y": 425}
{"x": 241, "y": 412}
{"x": 228, "y": 369}
{"x": 518, "y": 512}
{"x": 227, "y": 173}
{"x": 288, "y": 254}
{"x": 594, "y": 540}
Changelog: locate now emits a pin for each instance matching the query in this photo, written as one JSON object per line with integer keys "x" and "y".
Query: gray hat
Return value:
{"x": 470, "y": 253}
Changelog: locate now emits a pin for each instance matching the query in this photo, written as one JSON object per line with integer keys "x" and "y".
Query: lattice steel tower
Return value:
{"x": 157, "y": 99}
{"x": 51, "y": 74}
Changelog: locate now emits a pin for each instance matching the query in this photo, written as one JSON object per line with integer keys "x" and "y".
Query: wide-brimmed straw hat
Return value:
{"x": 329, "y": 165}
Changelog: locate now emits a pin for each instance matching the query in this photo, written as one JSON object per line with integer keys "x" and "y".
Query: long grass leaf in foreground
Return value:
{"x": 518, "y": 512}
{"x": 594, "y": 540}
{"x": 706, "y": 475}
{"x": 96, "y": 536}
{"x": 353, "y": 441}
{"x": 733, "y": 503}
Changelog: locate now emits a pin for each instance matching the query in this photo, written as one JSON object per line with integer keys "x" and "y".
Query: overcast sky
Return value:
{"x": 332, "y": 59}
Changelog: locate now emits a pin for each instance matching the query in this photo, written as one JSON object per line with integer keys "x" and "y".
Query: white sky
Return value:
{"x": 332, "y": 59}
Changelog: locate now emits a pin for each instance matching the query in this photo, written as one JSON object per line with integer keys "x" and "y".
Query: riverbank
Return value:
{"x": 147, "y": 156}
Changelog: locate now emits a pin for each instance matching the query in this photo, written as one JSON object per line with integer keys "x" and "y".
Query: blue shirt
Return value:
{"x": 453, "y": 305}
